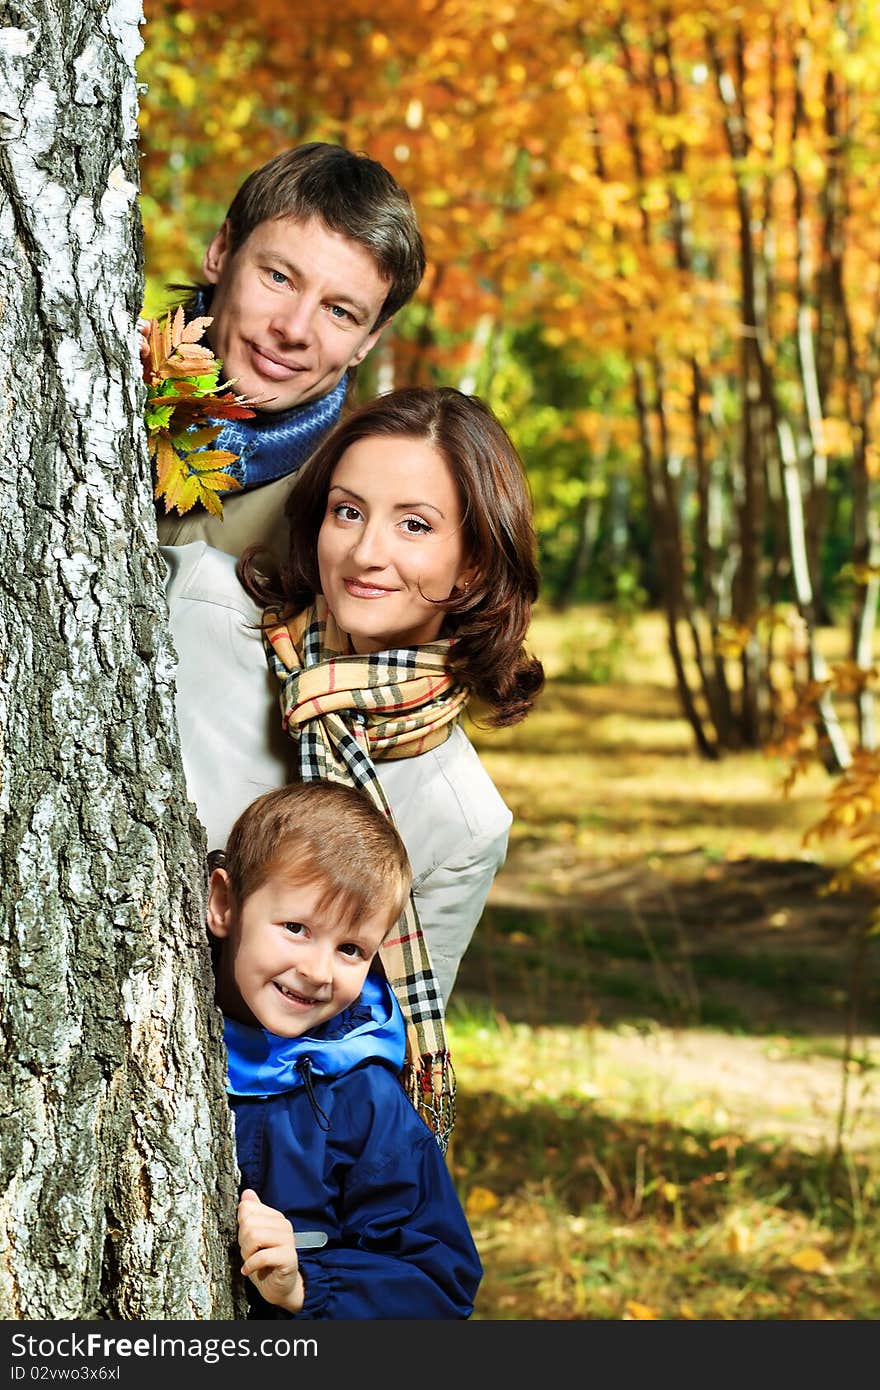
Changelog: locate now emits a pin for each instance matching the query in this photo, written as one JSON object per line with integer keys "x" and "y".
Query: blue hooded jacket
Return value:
{"x": 326, "y": 1134}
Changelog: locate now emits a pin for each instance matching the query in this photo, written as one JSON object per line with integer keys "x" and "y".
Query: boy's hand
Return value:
{"x": 143, "y": 327}
{"x": 265, "y": 1238}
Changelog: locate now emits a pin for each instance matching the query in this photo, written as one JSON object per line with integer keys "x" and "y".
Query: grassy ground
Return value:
{"x": 648, "y": 1027}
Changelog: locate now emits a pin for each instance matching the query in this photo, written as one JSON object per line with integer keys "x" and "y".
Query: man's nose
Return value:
{"x": 294, "y": 320}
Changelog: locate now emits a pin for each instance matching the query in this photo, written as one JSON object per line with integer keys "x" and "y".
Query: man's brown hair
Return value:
{"x": 350, "y": 194}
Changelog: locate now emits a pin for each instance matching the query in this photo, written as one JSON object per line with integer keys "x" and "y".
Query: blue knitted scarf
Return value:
{"x": 272, "y": 444}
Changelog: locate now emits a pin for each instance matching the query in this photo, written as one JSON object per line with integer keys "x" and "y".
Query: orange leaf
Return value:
{"x": 168, "y": 461}
{"x": 639, "y": 1312}
{"x": 194, "y": 330}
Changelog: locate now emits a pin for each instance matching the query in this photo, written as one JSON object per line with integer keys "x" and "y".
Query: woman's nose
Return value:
{"x": 370, "y": 549}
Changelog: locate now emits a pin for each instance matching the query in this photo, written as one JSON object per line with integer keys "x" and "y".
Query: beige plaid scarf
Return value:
{"x": 344, "y": 712}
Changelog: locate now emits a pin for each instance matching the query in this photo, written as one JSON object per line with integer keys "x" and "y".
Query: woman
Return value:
{"x": 407, "y": 593}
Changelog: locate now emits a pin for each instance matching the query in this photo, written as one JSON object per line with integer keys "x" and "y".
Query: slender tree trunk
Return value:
{"x": 777, "y": 432}
{"x": 589, "y": 515}
{"x": 118, "y": 1174}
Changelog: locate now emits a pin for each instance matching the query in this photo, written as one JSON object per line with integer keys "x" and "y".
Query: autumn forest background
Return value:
{"x": 653, "y": 239}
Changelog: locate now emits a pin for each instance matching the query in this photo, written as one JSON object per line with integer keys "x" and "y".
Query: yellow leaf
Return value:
{"x": 669, "y": 1192}
{"x": 811, "y": 1261}
{"x": 739, "y": 1239}
{"x": 639, "y": 1312}
{"x": 210, "y": 459}
{"x": 480, "y": 1200}
{"x": 218, "y": 481}
{"x": 210, "y": 501}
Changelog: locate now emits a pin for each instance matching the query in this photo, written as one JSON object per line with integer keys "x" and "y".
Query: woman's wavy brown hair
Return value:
{"x": 490, "y": 621}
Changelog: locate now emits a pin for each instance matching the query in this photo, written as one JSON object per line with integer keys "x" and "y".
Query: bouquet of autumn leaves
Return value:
{"x": 185, "y": 400}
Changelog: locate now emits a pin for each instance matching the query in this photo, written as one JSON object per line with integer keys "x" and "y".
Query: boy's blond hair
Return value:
{"x": 321, "y": 833}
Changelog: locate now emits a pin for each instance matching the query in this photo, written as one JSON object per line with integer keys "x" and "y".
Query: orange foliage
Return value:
{"x": 549, "y": 149}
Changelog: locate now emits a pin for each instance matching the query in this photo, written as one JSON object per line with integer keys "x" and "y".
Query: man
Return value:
{"x": 319, "y": 250}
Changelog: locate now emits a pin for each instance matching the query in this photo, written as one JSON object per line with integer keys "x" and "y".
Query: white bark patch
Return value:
{"x": 16, "y": 43}
{"x": 119, "y": 196}
{"x": 122, "y": 20}
{"x": 92, "y": 74}
{"x": 41, "y": 116}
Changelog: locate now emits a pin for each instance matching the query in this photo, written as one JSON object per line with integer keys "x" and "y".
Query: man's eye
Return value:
{"x": 339, "y": 313}
{"x": 278, "y": 277}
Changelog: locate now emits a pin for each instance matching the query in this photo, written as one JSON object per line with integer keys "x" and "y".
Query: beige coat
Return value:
{"x": 249, "y": 518}
{"x": 453, "y": 821}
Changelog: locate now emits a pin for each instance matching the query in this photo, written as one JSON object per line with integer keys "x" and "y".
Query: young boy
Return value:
{"x": 314, "y": 878}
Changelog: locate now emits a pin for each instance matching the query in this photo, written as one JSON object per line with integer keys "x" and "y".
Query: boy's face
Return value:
{"x": 286, "y": 965}
{"x": 292, "y": 309}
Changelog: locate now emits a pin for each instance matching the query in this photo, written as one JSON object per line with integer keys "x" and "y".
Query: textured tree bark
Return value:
{"x": 118, "y": 1175}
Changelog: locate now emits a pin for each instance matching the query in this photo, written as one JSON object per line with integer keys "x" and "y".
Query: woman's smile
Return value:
{"x": 361, "y": 588}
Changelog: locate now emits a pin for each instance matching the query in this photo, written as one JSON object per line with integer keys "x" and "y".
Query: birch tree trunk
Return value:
{"x": 118, "y": 1175}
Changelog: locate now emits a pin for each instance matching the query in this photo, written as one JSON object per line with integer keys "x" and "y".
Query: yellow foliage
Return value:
{"x": 479, "y": 1201}
{"x": 811, "y": 1261}
{"x": 739, "y": 1239}
{"x": 183, "y": 85}
{"x": 837, "y": 437}
{"x": 639, "y": 1312}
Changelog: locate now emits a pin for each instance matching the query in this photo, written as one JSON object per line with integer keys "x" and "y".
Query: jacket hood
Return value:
{"x": 262, "y": 1064}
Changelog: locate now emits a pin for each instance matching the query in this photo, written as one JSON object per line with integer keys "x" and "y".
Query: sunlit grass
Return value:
{"x": 648, "y": 1110}
{"x": 596, "y": 1189}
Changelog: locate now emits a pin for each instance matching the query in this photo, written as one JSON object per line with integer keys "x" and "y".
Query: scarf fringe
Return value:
{"x": 429, "y": 1081}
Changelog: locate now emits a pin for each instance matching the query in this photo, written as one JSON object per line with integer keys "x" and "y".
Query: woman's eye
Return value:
{"x": 415, "y": 527}
{"x": 278, "y": 277}
{"x": 346, "y": 512}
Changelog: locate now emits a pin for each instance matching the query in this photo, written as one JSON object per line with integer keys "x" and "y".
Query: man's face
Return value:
{"x": 292, "y": 309}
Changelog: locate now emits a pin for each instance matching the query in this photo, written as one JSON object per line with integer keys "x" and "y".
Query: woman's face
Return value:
{"x": 391, "y": 541}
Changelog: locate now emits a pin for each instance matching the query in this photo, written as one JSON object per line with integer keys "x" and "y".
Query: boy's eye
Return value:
{"x": 350, "y": 949}
{"x": 295, "y": 928}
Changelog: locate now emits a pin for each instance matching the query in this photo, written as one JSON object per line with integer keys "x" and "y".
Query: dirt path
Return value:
{"x": 729, "y": 982}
